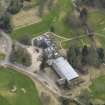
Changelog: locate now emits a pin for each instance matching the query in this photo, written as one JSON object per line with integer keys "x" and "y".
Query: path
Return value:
{"x": 71, "y": 39}
{"x": 64, "y": 39}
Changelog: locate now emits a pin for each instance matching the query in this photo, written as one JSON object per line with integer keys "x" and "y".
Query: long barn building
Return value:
{"x": 64, "y": 69}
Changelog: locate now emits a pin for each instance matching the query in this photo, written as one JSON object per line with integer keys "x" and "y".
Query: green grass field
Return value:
{"x": 98, "y": 88}
{"x": 10, "y": 78}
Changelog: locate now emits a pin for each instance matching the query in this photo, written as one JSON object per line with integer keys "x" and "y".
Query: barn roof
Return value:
{"x": 64, "y": 69}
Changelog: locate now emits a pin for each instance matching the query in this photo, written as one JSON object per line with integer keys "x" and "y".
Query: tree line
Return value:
{"x": 86, "y": 55}
{"x": 91, "y": 3}
{"x": 14, "y": 6}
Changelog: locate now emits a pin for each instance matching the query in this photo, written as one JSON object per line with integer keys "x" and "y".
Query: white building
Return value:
{"x": 64, "y": 69}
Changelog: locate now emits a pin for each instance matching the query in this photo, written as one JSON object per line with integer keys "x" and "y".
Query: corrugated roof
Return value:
{"x": 64, "y": 69}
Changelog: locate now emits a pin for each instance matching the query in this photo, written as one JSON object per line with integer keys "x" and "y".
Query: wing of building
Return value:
{"x": 64, "y": 69}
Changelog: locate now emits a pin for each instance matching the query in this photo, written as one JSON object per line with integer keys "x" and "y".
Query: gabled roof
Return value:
{"x": 64, "y": 69}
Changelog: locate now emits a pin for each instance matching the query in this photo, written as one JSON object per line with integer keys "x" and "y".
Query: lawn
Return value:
{"x": 10, "y": 78}
{"x": 97, "y": 20}
{"x": 98, "y": 88}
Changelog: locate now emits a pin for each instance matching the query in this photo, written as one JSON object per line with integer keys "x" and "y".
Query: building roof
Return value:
{"x": 43, "y": 42}
{"x": 64, "y": 69}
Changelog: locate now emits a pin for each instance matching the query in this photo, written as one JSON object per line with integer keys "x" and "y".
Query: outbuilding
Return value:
{"x": 64, "y": 69}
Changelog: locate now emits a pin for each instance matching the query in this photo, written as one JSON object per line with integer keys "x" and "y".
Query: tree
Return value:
{"x": 85, "y": 2}
{"x": 43, "y": 3}
{"x": 72, "y": 22}
{"x": 73, "y": 53}
{"x": 83, "y": 15}
{"x": 5, "y": 22}
{"x": 93, "y": 59}
{"x": 100, "y": 52}
{"x": 85, "y": 53}
{"x": 20, "y": 55}
{"x": 44, "y": 63}
{"x": 15, "y": 6}
{"x": 102, "y": 3}
{"x": 52, "y": 29}
{"x": 25, "y": 39}
{"x": 91, "y": 3}
{"x": 64, "y": 101}
{"x": 50, "y": 4}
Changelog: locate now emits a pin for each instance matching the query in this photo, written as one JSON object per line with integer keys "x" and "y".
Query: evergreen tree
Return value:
{"x": 73, "y": 54}
{"x": 5, "y": 22}
{"x": 85, "y": 53}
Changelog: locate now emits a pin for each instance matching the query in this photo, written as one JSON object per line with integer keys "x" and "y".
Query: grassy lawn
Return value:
{"x": 10, "y": 78}
{"x": 98, "y": 88}
{"x": 97, "y": 20}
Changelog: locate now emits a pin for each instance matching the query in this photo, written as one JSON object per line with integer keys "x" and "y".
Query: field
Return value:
{"x": 98, "y": 88}
{"x": 24, "y": 92}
